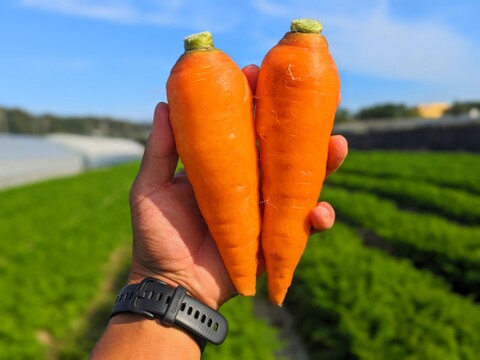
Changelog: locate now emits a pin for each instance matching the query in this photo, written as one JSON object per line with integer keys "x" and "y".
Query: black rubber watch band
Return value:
{"x": 155, "y": 299}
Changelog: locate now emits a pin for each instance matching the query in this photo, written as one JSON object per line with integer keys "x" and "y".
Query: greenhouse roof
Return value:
{"x": 26, "y": 159}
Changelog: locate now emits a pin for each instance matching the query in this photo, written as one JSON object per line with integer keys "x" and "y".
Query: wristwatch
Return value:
{"x": 157, "y": 300}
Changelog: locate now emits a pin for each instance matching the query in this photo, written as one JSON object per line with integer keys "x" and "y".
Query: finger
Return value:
{"x": 337, "y": 152}
{"x": 251, "y": 72}
{"x": 322, "y": 216}
{"x": 160, "y": 157}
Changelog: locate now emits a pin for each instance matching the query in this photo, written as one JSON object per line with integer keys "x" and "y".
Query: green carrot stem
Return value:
{"x": 304, "y": 25}
{"x": 200, "y": 41}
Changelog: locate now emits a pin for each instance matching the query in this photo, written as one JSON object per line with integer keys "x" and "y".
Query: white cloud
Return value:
{"x": 110, "y": 10}
{"x": 172, "y": 13}
{"x": 383, "y": 46}
{"x": 367, "y": 39}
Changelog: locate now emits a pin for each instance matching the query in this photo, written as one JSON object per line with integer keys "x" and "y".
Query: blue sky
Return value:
{"x": 112, "y": 57}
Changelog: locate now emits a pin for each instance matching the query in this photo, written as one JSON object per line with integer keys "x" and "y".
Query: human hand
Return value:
{"x": 171, "y": 241}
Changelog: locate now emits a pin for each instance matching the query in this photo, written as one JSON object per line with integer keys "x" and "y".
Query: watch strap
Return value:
{"x": 174, "y": 307}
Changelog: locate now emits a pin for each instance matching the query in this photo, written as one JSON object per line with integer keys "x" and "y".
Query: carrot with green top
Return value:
{"x": 297, "y": 95}
{"x": 211, "y": 113}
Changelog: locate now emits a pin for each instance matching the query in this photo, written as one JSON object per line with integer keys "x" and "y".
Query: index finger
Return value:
{"x": 251, "y": 73}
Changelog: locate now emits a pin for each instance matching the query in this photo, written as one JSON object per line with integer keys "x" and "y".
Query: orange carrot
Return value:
{"x": 297, "y": 95}
{"x": 211, "y": 113}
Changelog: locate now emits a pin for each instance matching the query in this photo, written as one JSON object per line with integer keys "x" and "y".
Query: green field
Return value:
{"x": 63, "y": 257}
{"x": 396, "y": 278}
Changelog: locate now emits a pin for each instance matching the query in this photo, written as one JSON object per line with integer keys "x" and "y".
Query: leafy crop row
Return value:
{"x": 353, "y": 302}
{"x": 457, "y": 170}
{"x": 430, "y": 241}
{"x": 452, "y": 203}
{"x": 58, "y": 238}
{"x": 248, "y": 338}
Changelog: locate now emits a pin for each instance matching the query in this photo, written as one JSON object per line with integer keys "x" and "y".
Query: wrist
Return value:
{"x": 154, "y": 328}
{"x": 173, "y": 307}
{"x": 194, "y": 288}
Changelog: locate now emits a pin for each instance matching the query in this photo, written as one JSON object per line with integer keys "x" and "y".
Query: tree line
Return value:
{"x": 18, "y": 121}
{"x": 398, "y": 111}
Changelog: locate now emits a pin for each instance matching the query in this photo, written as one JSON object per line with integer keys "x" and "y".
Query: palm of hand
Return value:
{"x": 176, "y": 245}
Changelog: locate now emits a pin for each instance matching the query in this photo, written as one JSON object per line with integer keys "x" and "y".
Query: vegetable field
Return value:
{"x": 64, "y": 256}
{"x": 398, "y": 276}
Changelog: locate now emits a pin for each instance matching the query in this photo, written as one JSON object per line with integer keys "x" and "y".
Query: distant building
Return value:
{"x": 432, "y": 110}
{"x": 474, "y": 113}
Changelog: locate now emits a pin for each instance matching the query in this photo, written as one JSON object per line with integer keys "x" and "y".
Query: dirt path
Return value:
{"x": 85, "y": 336}
{"x": 280, "y": 318}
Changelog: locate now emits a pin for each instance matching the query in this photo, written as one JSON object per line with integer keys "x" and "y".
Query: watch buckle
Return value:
{"x": 139, "y": 294}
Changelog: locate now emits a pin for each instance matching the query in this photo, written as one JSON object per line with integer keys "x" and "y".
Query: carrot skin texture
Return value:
{"x": 297, "y": 95}
{"x": 211, "y": 113}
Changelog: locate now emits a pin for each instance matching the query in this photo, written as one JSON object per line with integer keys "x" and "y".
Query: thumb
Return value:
{"x": 160, "y": 157}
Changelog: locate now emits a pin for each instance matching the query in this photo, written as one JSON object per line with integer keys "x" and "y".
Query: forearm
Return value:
{"x": 132, "y": 336}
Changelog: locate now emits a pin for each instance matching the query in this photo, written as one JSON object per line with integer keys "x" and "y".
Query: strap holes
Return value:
{"x": 159, "y": 296}
{"x": 215, "y": 327}
{"x": 129, "y": 296}
{"x": 190, "y": 309}
{"x": 204, "y": 317}
{"x": 150, "y": 295}
{"x": 167, "y": 300}
{"x": 197, "y": 314}
{"x": 183, "y": 306}
{"x": 210, "y": 322}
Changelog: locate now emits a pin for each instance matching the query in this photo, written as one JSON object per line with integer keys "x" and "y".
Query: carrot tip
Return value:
{"x": 277, "y": 297}
{"x": 304, "y": 25}
{"x": 200, "y": 41}
{"x": 247, "y": 292}
{"x": 246, "y": 286}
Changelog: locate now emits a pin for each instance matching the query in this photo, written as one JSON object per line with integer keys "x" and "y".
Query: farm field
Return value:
{"x": 67, "y": 242}
{"x": 397, "y": 277}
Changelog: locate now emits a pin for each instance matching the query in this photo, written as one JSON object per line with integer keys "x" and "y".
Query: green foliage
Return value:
{"x": 456, "y": 170}
{"x": 349, "y": 301}
{"x": 342, "y": 116}
{"x": 352, "y": 302}
{"x": 446, "y": 248}
{"x": 459, "y": 108}
{"x": 455, "y": 204}
{"x": 387, "y": 111}
{"x": 57, "y": 237}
